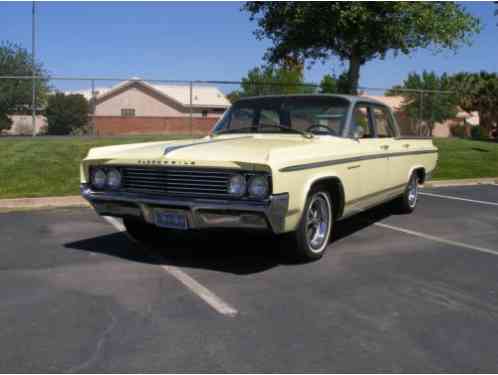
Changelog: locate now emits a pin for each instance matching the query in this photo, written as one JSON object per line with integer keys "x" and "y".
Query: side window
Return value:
{"x": 383, "y": 122}
{"x": 361, "y": 121}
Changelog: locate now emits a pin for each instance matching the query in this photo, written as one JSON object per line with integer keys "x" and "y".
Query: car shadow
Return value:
{"x": 231, "y": 251}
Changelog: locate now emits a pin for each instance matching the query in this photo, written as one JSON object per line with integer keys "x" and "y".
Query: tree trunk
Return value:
{"x": 354, "y": 73}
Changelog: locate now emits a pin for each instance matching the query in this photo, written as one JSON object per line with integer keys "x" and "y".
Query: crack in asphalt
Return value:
{"x": 98, "y": 348}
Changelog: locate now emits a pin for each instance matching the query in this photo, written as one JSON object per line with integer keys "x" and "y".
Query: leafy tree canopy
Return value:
{"x": 67, "y": 114}
{"x": 16, "y": 94}
{"x": 330, "y": 84}
{"x": 433, "y": 102}
{"x": 478, "y": 92}
{"x": 273, "y": 80}
{"x": 358, "y": 32}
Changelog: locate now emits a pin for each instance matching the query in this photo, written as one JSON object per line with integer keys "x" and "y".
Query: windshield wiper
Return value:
{"x": 303, "y": 133}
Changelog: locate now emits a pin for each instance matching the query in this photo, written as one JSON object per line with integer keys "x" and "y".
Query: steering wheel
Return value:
{"x": 323, "y": 127}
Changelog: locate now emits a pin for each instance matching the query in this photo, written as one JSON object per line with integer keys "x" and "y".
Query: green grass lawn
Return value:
{"x": 50, "y": 166}
{"x": 41, "y": 167}
{"x": 466, "y": 158}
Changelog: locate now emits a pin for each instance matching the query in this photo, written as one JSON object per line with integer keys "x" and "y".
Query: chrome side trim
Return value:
{"x": 327, "y": 163}
{"x": 273, "y": 209}
{"x": 378, "y": 193}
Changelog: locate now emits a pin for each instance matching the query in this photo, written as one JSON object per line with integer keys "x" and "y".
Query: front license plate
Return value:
{"x": 174, "y": 220}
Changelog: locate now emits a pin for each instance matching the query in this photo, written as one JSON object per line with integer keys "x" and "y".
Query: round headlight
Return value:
{"x": 99, "y": 178}
{"x": 114, "y": 178}
{"x": 237, "y": 185}
{"x": 258, "y": 187}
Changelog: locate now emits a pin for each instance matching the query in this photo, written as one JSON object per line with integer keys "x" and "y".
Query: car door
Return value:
{"x": 372, "y": 150}
{"x": 386, "y": 132}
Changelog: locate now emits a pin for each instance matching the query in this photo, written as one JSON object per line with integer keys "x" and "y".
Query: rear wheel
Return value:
{"x": 313, "y": 233}
{"x": 408, "y": 201}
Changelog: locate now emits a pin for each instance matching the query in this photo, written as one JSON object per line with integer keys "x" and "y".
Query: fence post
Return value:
{"x": 93, "y": 107}
{"x": 191, "y": 120}
{"x": 33, "y": 101}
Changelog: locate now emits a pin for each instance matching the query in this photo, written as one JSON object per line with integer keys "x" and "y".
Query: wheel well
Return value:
{"x": 420, "y": 174}
{"x": 334, "y": 187}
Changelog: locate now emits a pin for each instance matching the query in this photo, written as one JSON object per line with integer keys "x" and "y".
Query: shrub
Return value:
{"x": 66, "y": 113}
{"x": 458, "y": 131}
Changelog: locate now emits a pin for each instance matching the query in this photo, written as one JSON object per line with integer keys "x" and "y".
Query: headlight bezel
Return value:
{"x": 243, "y": 184}
{"x": 255, "y": 179}
{"x": 94, "y": 170}
{"x": 248, "y": 179}
{"x": 93, "y": 178}
{"x": 108, "y": 180}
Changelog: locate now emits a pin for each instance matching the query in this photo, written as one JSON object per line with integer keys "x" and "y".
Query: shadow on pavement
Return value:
{"x": 231, "y": 251}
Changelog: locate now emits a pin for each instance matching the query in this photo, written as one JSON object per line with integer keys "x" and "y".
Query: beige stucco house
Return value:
{"x": 136, "y": 107}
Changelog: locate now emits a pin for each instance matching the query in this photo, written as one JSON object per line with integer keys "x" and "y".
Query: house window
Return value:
{"x": 128, "y": 112}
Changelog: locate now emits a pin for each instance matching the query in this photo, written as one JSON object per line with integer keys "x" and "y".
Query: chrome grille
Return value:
{"x": 176, "y": 181}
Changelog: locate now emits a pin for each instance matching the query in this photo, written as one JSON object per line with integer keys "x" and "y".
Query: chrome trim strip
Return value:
{"x": 369, "y": 196}
{"x": 327, "y": 163}
{"x": 170, "y": 149}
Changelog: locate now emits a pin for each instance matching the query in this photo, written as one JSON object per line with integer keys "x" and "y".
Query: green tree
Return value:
{"x": 428, "y": 99}
{"x": 478, "y": 92}
{"x": 358, "y": 32}
{"x": 16, "y": 94}
{"x": 67, "y": 114}
{"x": 273, "y": 80}
{"x": 330, "y": 84}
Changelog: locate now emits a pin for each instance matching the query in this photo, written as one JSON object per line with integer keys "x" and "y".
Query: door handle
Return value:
{"x": 384, "y": 147}
{"x": 406, "y": 145}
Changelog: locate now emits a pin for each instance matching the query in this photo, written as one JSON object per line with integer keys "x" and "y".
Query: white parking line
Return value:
{"x": 438, "y": 239}
{"x": 459, "y": 199}
{"x": 195, "y": 287}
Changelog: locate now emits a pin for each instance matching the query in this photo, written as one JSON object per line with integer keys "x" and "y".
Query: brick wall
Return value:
{"x": 116, "y": 125}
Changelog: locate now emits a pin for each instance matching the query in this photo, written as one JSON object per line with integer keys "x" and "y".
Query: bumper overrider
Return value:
{"x": 201, "y": 213}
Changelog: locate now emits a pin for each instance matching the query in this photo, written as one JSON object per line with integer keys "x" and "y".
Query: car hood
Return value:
{"x": 221, "y": 151}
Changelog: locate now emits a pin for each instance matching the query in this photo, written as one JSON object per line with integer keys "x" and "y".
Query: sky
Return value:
{"x": 196, "y": 41}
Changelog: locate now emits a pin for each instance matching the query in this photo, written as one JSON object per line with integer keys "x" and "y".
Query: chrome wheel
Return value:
{"x": 318, "y": 222}
{"x": 412, "y": 192}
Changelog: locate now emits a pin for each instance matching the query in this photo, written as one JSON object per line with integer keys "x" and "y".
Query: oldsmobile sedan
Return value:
{"x": 293, "y": 165}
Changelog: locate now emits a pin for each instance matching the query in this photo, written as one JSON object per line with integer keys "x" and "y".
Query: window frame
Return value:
{"x": 371, "y": 124}
{"x": 390, "y": 120}
{"x": 132, "y": 112}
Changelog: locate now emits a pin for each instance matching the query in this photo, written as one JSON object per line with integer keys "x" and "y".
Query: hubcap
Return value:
{"x": 318, "y": 222}
{"x": 412, "y": 192}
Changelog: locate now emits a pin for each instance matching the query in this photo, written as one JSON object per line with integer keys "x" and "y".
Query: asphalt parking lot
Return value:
{"x": 394, "y": 293}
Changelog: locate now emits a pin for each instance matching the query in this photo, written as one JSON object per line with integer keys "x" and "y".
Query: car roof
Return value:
{"x": 350, "y": 98}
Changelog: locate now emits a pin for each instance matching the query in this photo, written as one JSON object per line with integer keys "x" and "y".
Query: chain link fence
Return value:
{"x": 119, "y": 107}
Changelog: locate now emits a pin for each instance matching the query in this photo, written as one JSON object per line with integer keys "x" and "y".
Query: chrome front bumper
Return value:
{"x": 201, "y": 213}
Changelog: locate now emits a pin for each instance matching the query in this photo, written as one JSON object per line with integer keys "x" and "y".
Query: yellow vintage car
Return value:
{"x": 293, "y": 165}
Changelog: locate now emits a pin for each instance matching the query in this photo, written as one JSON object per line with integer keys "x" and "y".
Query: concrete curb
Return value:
{"x": 462, "y": 182}
{"x": 39, "y": 203}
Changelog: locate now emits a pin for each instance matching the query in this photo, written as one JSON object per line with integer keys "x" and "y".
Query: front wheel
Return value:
{"x": 140, "y": 231}
{"x": 408, "y": 201}
{"x": 311, "y": 238}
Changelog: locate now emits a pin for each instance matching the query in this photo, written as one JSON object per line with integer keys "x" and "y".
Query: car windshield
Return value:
{"x": 323, "y": 115}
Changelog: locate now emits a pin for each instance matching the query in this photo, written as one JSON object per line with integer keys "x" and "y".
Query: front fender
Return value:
{"x": 298, "y": 184}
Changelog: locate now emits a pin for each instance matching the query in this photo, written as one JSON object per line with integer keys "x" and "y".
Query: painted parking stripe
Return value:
{"x": 459, "y": 199}
{"x": 438, "y": 239}
{"x": 195, "y": 287}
